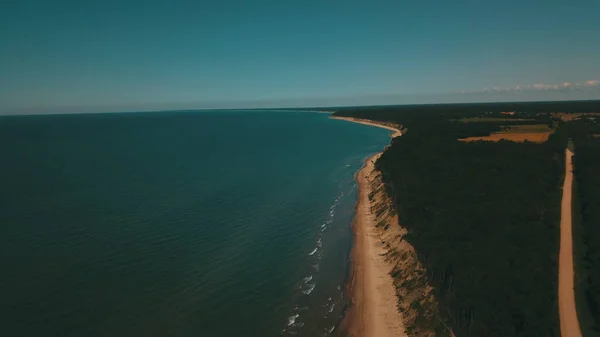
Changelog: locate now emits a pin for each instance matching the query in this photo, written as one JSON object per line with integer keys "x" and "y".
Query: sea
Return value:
{"x": 177, "y": 223}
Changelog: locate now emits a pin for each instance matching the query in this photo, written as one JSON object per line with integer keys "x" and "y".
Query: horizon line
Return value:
{"x": 322, "y": 109}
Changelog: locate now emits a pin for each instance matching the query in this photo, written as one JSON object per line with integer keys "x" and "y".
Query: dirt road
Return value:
{"x": 569, "y": 324}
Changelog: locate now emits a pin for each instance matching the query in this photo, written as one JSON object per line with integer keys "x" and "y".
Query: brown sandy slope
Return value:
{"x": 416, "y": 300}
{"x": 569, "y": 324}
{"x": 382, "y": 305}
{"x": 374, "y": 311}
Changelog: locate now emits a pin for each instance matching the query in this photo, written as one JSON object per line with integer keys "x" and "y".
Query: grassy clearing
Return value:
{"x": 537, "y": 133}
{"x": 491, "y": 120}
{"x": 567, "y": 117}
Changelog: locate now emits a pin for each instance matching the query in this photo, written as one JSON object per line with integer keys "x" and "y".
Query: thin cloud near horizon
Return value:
{"x": 538, "y": 87}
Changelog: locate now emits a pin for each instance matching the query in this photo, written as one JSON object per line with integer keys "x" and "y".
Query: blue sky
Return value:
{"x": 137, "y": 55}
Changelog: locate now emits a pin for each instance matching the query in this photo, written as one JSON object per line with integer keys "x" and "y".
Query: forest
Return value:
{"x": 586, "y": 161}
{"x": 483, "y": 216}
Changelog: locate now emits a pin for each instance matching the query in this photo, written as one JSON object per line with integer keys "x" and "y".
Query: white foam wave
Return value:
{"x": 314, "y": 251}
{"x": 292, "y": 319}
{"x": 320, "y": 242}
{"x": 309, "y": 289}
{"x": 308, "y": 279}
{"x": 331, "y": 308}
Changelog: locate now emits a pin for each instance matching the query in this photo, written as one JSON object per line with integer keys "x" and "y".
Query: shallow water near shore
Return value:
{"x": 210, "y": 223}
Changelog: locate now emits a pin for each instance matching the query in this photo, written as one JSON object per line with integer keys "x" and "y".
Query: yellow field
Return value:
{"x": 537, "y": 133}
{"x": 490, "y": 120}
{"x": 569, "y": 117}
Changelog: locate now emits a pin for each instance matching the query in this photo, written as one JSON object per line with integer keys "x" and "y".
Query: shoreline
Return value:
{"x": 397, "y": 131}
{"x": 373, "y": 309}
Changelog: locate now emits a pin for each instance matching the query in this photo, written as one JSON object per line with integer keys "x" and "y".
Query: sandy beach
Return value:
{"x": 397, "y": 132}
{"x": 374, "y": 309}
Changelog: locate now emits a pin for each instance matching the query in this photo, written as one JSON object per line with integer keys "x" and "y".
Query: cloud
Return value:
{"x": 591, "y": 83}
{"x": 539, "y": 87}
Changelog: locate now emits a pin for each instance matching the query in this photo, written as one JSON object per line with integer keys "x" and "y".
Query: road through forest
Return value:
{"x": 569, "y": 324}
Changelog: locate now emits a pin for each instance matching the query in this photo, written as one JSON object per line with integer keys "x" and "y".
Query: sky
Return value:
{"x": 69, "y": 56}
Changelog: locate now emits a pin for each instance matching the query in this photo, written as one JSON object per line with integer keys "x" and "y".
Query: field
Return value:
{"x": 492, "y": 120}
{"x": 537, "y": 133}
{"x": 567, "y": 117}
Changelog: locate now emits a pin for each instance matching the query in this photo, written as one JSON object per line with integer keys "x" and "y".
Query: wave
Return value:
{"x": 310, "y": 288}
{"x": 292, "y": 319}
{"x": 325, "y": 306}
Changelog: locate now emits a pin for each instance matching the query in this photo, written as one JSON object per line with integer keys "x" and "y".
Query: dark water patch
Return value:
{"x": 179, "y": 224}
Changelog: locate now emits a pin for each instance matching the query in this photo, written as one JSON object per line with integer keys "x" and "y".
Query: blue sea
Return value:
{"x": 180, "y": 223}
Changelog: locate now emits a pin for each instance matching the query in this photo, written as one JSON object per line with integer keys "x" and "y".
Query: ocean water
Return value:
{"x": 211, "y": 223}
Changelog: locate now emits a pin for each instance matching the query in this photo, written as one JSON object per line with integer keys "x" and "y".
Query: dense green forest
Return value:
{"x": 587, "y": 223}
{"x": 484, "y": 217}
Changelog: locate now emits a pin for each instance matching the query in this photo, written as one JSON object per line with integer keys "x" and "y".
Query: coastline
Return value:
{"x": 374, "y": 309}
{"x": 388, "y": 126}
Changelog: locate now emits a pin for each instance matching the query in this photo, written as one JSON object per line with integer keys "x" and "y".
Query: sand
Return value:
{"x": 569, "y": 324}
{"x": 374, "y": 309}
{"x": 389, "y": 126}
